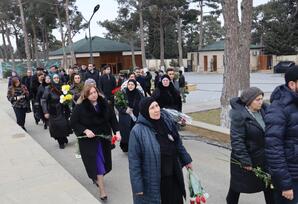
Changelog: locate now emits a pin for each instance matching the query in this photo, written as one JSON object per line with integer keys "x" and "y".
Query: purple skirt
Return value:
{"x": 100, "y": 161}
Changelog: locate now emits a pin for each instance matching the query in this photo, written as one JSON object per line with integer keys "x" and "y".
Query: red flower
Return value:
{"x": 192, "y": 200}
{"x": 114, "y": 139}
{"x": 116, "y": 89}
{"x": 198, "y": 200}
{"x": 203, "y": 199}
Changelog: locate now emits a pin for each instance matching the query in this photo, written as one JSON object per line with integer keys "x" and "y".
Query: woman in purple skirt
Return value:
{"x": 91, "y": 117}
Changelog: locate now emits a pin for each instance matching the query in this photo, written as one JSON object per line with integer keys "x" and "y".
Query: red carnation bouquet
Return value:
{"x": 196, "y": 191}
{"x": 120, "y": 100}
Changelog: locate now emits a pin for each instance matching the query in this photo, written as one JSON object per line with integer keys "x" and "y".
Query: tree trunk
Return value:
{"x": 16, "y": 35}
{"x": 64, "y": 59}
{"x": 35, "y": 46}
{"x": 10, "y": 48}
{"x": 144, "y": 63}
{"x": 27, "y": 47}
{"x": 5, "y": 54}
{"x": 162, "y": 41}
{"x": 201, "y": 2}
{"x": 70, "y": 43}
{"x": 43, "y": 34}
{"x": 231, "y": 78}
{"x": 46, "y": 43}
{"x": 245, "y": 41}
{"x": 180, "y": 49}
{"x": 133, "y": 58}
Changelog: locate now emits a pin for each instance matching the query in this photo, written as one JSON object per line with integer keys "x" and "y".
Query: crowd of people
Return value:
{"x": 92, "y": 117}
{"x": 263, "y": 137}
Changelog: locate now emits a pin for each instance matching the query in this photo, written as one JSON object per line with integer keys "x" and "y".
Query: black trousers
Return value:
{"x": 62, "y": 140}
{"x": 20, "y": 115}
{"x": 233, "y": 197}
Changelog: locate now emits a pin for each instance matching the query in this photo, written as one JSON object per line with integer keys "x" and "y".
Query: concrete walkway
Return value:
{"x": 28, "y": 174}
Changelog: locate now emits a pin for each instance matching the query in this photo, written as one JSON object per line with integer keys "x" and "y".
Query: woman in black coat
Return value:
{"x": 44, "y": 82}
{"x": 57, "y": 113}
{"x": 166, "y": 95}
{"x": 129, "y": 113}
{"x": 248, "y": 143}
{"x": 93, "y": 116}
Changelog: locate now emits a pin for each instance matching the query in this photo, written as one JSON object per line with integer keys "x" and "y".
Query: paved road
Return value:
{"x": 208, "y": 163}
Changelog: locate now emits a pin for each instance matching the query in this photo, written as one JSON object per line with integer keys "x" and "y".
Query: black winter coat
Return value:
{"x": 248, "y": 148}
{"x": 282, "y": 137}
{"x": 125, "y": 121}
{"x": 85, "y": 117}
{"x": 106, "y": 85}
{"x": 59, "y": 113}
{"x": 168, "y": 97}
{"x": 95, "y": 75}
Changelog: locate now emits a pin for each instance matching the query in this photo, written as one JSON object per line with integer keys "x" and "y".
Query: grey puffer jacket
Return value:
{"x": 144, "y": 159}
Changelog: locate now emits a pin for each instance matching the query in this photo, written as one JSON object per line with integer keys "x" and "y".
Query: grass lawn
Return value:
{"x": 210, "y": 116}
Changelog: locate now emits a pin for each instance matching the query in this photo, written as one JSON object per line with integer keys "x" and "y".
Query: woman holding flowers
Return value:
{"x": 247, "y": 141}
{"x": 156, "y": 156}
{"x": 128, "y": 111}
{"x": 93, "y": 121}
{"x": 57, "y": 112}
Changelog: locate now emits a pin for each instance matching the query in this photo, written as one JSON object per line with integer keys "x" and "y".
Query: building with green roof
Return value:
{"x": 105, "y": 51}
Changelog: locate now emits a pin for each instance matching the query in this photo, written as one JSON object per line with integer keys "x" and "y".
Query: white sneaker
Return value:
{"x": 78, "y": 156}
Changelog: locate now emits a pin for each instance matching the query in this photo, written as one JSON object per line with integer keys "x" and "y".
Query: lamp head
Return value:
{"x": 96, "y": 8}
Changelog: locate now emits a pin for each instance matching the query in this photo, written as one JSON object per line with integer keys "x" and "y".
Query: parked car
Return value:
{"x": 283, "y": 66}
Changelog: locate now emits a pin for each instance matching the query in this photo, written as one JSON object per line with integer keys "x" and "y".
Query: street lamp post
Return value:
{"x": 90, "y": 37}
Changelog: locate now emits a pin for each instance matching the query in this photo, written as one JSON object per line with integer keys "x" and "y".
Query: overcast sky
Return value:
{"x": 108, "y": 10}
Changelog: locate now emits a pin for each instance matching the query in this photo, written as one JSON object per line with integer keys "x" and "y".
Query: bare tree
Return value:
{"x": 180, "y": 49}
{"x": 10, "y": 47}
{"x": 142, "y": 36}
{"x": 5, "y": 50}
{"x": 27, "y": 47}
{"x": 69, "y": 31}
{"x": 245, "y": 41}
{"x": 64, "y": 59}
{"x": 237, "y": 46}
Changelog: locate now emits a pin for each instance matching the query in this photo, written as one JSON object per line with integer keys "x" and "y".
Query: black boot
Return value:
{"x": 61, "y": 146}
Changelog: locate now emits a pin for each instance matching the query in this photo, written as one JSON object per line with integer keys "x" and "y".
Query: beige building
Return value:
{"x": 210, "y": 58}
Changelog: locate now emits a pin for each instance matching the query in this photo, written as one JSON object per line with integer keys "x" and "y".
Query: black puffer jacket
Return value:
{"x": 248, "y": 146}
{"x": 282, "y": 137}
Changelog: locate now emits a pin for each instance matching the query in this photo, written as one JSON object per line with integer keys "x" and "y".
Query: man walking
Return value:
{"x": 281, "y": 137}
{"x": 107, "y": 83}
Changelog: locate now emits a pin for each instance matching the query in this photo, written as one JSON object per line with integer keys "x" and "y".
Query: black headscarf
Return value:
{"x": 159, "y": 125}
{"x": 133, "y": 97}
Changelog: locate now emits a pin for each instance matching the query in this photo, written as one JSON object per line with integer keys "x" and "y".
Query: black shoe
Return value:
{"x": 45, "y": 126}
{"x": 95, "y": 183}
{"x": 104, "y": 198}
{"x": 66, "y": 141}
{"x": 24, "y": 128}
{"x": 61, "y": 146}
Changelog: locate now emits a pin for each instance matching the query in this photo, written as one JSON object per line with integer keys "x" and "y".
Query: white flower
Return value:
{"x": 62, "y": 100}
{"x": 64, "y": 92}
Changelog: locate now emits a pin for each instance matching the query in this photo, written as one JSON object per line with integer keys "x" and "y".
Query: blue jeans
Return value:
{"x": 282, "y": 200}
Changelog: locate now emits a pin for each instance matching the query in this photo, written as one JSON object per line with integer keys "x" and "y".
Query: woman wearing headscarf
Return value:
{"x": 43, "y": 84}
{"x": 248, "y": 143}
{"x": 18, "y": 96}
{"x": 91, "y": 117}
{"x": 76, "y": 87}
{"x": 128, "y": 114}
{"x": 57, "y": 113}
{"x": 166, "y": 95}
{"x": 156, "y": 156}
